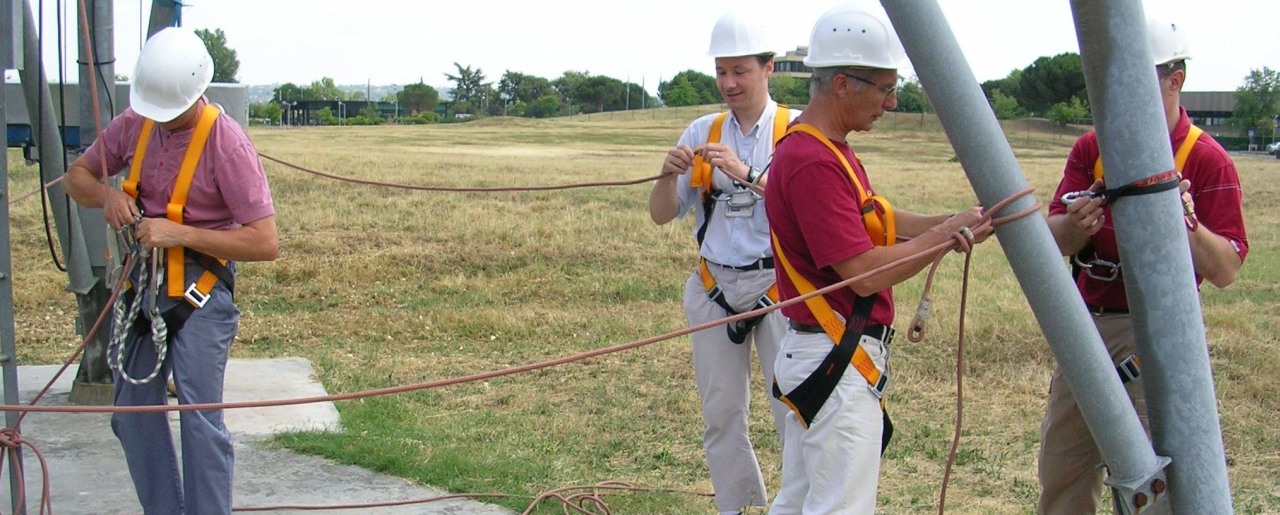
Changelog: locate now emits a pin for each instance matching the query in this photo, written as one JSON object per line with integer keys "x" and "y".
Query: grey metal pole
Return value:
{"x": 8, "y": 362}
{"x": 1155, "y": 255}
{"x": 163, "y": 14}
{"x": 93, "y": 385}
{"x": 995, "y": 175}
{"x": 35, "y": 88}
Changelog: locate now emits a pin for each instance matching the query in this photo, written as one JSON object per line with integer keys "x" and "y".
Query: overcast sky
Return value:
{"x": 644, "y": 41}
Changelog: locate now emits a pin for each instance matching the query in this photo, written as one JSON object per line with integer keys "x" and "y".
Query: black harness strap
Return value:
{"x": 708, "y": 207}
{"x": 809, "y": 396}
{"x": 214, "y": 266}
{"x": 739, "y": 330}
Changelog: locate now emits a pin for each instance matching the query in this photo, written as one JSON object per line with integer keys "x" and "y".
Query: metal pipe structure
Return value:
{"x": 35, "y": 88}
{"x": 7, "y": 349}
{"x": 994, "y": 173}
{"x": 164, "y": 13}
{"x": 93, "y": 384}
{"x": 10, "y": 41}
{"x": 1154, "y": 253}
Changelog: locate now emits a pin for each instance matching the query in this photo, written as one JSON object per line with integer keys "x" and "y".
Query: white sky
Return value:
{"x": 400, "y": 41}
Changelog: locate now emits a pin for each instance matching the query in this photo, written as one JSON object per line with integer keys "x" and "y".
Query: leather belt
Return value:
{"x": 883, "y": 333}
{"x": 1101, "y": 311}
{"x": 760, "y": 264}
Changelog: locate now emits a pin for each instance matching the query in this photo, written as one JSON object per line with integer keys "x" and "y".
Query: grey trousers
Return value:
{"x": 197, "y": 358}
{"x": 723, "y": 373}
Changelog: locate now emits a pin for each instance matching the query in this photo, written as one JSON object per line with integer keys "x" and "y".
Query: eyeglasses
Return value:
{"x": 884, "y": 90}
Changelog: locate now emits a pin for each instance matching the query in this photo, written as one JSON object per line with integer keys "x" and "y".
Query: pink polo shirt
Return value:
{"x": 229, "y": 188}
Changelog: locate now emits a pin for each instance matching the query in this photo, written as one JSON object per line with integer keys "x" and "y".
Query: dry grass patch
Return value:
{"x": 381, "y": 287}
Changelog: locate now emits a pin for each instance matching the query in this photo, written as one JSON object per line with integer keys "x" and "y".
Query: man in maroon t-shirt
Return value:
{"x": 831, "y": 452}
{"x": 1070, "y": 477}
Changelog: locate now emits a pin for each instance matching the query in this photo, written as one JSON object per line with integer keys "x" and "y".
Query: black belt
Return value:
{"x": 883, "y": 333}
{"x": 759, "y": 264}
{"x": 1100, "y": 311}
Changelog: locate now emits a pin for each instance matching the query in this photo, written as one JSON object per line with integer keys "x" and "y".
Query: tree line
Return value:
{"x": 1051, "y": 87}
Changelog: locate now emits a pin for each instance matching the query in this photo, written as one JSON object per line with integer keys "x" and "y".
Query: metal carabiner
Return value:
{"x": 1072, "y": 196}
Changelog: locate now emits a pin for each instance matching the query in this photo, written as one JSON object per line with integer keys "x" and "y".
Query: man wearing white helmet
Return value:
{"x": 1069, "y": 462}
{"x": 718, "y": 169}
{"x": 197, "y": 196}
{"x": 829, "y": 225}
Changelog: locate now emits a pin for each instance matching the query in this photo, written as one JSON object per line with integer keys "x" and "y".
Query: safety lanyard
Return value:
{"x": 877, "y": 213}
{"x": 175, "y": 256}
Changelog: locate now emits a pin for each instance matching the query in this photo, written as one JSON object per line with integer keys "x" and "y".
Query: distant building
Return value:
{"x": 1211, "y": 109}
{"x": 791, "y": 64}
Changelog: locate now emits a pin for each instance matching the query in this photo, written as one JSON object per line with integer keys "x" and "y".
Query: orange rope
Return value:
{"x": 458, "y": 189}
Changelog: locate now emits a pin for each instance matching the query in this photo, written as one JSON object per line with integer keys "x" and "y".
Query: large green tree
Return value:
{"x": 599, "y": 92}
{"x": 689, "y": 87}
{"x": 225, "y": 63}
{"x": 1050, "y": 81}
{"x": 1257, "y": 100}
{"x": 418, "y": 98}
{"x": 289, "y": 92}
{"x": 911, "y": 99}
{"x": 789, "y": 90}
{"x": 517, "y": 87}
{"x": 323, "y": 89}
{"x": 468, "y": 89}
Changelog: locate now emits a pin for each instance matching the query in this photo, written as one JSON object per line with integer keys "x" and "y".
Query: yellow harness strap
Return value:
{"x": 175, "y": 256}
{"x": 877, "y": 213}
{"x": 701, "y": 174}
{"x": 826, "y": 317}
{"x": 1179, "y": 158}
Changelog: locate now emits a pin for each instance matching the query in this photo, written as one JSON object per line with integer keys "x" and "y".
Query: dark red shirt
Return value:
{"x": 1215, "y": 189}
{"x": 813, "y": 210}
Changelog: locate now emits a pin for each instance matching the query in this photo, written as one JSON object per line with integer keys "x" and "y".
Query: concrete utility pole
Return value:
{"x": 1154, "y": 253}
{"x": 995, "y": 175}
{"x": 10, "y": 41}
{"x": 93, "y": 383}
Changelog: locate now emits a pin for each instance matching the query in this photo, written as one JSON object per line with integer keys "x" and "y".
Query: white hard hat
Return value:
{"x": 174, "y": 68}
{"x": 736, "y": 36}
{"x": 850, "y": 35}
{"x": 1167, "y": 41}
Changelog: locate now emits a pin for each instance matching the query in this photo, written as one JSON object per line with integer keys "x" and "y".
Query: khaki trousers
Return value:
{"x": 1070, "y": 465}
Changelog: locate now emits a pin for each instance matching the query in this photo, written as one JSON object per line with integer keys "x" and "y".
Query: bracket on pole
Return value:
{"x": 1137, "y": 495}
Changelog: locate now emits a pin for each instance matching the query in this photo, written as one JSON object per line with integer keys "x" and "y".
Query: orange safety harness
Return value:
{"x": 807, "y": 398}
{"x": 701, "y": 178}
{"x": 197, "y": 293}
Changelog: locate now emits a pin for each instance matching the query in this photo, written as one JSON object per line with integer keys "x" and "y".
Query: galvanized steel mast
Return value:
{"x": 1033, "y": 255}
{"x": 1155, "y": 255}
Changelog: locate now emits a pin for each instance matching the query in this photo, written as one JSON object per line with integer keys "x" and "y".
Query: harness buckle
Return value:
{"x": 880, "y": 386}
{"x": 196, "y": 297}
{"x": 1128, "y": 369}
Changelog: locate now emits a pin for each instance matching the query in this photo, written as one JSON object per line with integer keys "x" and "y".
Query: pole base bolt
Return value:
{"x": 1139, "y": 499}
{"x": 1158, "y": 486}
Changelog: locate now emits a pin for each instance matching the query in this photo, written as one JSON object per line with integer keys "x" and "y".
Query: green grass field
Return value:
{"x": 380, "y": 287}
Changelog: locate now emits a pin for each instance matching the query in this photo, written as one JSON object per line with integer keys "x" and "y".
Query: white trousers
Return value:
{"x": 723, "y": 373}
{"x": 833, "y": 466}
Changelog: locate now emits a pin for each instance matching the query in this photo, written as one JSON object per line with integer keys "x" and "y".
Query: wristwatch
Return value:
{"x": 754, "y": 174}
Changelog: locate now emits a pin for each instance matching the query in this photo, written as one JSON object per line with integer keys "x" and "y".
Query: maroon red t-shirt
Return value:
{"x": 813, "y": 210}
{"x": 1215, "y": 189}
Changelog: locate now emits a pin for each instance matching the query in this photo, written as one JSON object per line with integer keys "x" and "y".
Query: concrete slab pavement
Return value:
{"x": 87, "y": 473}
